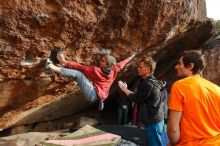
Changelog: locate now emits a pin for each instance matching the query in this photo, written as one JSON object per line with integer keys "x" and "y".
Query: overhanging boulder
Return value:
{"x": 161, "y": 29}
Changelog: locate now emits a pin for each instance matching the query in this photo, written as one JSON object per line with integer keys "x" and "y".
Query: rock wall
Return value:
{"x": 211, "y": 52}
{"x": 29, "y": 29}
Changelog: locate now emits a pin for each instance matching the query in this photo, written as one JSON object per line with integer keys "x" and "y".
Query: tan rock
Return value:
{"x": 161, "y": 29}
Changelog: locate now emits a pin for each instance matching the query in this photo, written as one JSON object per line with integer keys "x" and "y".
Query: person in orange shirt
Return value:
{"x": 194, "y": 105}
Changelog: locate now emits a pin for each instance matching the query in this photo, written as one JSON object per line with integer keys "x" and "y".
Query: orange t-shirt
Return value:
{"x": 199, "y": 101}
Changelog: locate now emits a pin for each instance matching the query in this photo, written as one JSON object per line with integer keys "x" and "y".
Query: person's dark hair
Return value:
{"x": 194, "y": 57}
{"x": 148, "y": 61}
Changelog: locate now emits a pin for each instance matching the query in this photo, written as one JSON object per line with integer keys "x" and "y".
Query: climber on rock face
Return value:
{"x": 102, "y": 77}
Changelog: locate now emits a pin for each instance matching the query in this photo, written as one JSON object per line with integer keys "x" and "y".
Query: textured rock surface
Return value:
{"x": 28, "y": 139}
{"x": 212, "y": 54}
{"x": 29, "y": 29}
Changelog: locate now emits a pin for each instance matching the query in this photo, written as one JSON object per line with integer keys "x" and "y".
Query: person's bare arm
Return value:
{"x": 124, "y": 88}
{"x": 127, "y": 92}
{"x": 173, "y": 126}
{"x": 122, "y": 63}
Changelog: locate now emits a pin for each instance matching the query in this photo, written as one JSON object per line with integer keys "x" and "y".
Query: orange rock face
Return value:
{"x": 160, "y": 28}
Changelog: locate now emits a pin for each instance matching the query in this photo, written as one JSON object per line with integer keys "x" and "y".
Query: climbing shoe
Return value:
{"x": 53, "y": 56}
{"x": 48, "y": 61}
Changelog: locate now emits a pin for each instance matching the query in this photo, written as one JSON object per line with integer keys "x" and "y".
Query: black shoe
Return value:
{"x": 53, "y": 56}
